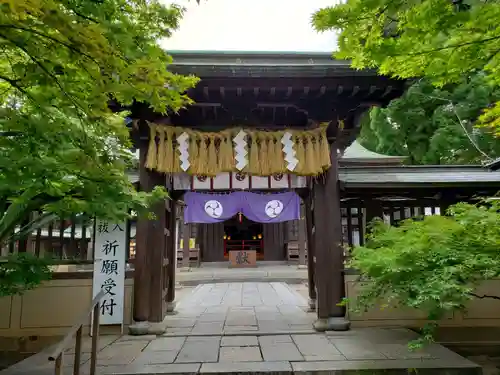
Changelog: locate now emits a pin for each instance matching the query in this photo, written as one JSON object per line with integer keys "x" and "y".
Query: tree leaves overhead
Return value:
{"x": 441, "y": 40}
{"x": 435, "y": 126}
{"x": 61, "y": 62}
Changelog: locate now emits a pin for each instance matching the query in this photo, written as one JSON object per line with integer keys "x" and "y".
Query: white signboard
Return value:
{"x": 109, "y": 270}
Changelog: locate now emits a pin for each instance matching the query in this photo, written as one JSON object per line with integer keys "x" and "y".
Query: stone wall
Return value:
{"x": 51, "y": 310}
{"x": 481, "y": 312}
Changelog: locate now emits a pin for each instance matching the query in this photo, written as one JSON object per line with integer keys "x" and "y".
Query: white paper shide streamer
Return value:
{"x": 240, "y": 150}
{"x": 289, "y": 152}
{"x": 183, "y": 148}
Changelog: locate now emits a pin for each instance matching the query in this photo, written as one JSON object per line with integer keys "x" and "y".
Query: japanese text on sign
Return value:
{"x": 242, "y": 258}
{"x": 109, "y": 270}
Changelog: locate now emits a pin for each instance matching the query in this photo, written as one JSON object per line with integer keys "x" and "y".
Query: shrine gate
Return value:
{"x": 261, "y": 122}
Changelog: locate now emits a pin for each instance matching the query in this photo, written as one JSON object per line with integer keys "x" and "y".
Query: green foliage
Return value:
{"x": 62, "y": 150}
{"x": 21, "y": 272}
{"x": 433, "y": 264}
{"x": 441, "y": 40}
{"x": 433, "y": 125}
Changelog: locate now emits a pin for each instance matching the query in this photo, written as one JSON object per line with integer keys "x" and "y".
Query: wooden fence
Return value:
{"x": 65, "y": 241}
{"x": 354, "y": 221}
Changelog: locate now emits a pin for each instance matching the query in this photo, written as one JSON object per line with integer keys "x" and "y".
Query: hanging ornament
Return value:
{"x": 289, "y": 152}
{"x": 240, "y": 217}
{"x": 183, "y": 149}
{"x": 240, "y": 150}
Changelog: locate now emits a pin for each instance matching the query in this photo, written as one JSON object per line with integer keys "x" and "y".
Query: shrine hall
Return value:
{"x": 264, "y": 133}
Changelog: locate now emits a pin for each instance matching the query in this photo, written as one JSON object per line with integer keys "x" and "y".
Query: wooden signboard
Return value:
{"x": 242, "y": 258}
{"x": 110, "y": 249}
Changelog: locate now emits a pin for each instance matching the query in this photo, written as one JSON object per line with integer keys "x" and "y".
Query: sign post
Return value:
{"x": 109, "y": 270}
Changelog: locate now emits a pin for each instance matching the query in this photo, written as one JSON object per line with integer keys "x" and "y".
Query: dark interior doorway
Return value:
{"x": 243, "y": 234}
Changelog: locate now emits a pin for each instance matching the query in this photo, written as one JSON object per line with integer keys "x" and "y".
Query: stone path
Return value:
{"x": 241, "y": 308}
{"x": 261, "y": 328}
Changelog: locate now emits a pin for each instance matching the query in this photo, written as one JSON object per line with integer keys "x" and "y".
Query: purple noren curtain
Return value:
{"x": 261, "y": 208}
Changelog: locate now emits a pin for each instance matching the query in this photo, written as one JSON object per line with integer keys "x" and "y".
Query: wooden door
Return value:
{"x": 211, "y": 240}
{"x": 274, "y": 241}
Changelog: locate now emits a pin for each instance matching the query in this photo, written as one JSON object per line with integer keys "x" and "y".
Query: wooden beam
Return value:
{"x": 171, "y": 256}
{"x": 311, "y": 252}
{"x": 186, "y": 235}
{"x": 302, "y": 237}
{"x": 141, "y": 263}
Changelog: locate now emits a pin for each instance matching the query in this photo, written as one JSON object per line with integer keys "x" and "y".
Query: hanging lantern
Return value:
{"x": 240, "y": 217}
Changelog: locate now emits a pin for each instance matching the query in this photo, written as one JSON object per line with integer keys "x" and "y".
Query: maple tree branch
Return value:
{"x": 466, "y": 132}
{"x": 56, "y": 40}
{"x": 453, "y": 46}
{"x": 45, "y": 70}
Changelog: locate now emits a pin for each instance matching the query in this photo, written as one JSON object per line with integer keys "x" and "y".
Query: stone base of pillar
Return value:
{"x": 157, "y": 328}
{"x": 139, "y": 329}
{"x": 171, "y": 308}
{"x": 332, "y": 324}
{"x": 312, "y": 305}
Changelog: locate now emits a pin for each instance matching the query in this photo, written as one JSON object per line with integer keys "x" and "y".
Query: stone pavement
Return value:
{"x": 241, "y": 308}
{"x": 262, "y": 328}
{"x": 220, "y": 273}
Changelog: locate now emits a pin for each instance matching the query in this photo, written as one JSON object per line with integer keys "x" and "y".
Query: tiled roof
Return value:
{"x": 357, "y": 153}
{"x": 418, "y": 175}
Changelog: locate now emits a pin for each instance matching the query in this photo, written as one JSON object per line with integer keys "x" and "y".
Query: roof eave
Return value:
{"x": 235, "y": 63}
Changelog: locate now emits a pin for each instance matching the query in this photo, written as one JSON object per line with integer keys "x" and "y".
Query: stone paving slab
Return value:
{"x": 259, "y": 308}
{"x": 297, "y": 354}
{"x": 267, "y": 334}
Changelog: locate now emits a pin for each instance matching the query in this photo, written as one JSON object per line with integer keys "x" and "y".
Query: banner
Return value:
{"x": 210, "y": 208}
{"x": 270, "y": 208}
{"x": 261, "y": 208}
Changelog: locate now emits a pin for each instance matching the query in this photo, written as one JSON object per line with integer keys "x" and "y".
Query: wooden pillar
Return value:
{"x": 186, "y": 235}
{"x": 302, "y": 238}
{"x": 311, "y": 253}
{"x": 373, "y": 209}
{"x": 171, "y": 256}
{"x": 141, "y": 263}
{"x": 156, "y": 243}
{"x": 329, "y": 250}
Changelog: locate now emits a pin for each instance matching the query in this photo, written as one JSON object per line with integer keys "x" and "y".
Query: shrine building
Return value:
{"x": 265, "y": 132}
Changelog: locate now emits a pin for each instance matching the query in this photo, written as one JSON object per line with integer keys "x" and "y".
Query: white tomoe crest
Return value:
{"x": 214, "y": 208}
{"x": 273, "y": 208}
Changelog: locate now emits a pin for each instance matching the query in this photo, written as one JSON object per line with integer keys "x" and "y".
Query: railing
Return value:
{"x": 77, "y": 332}
{"x": 235, "y": 245}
